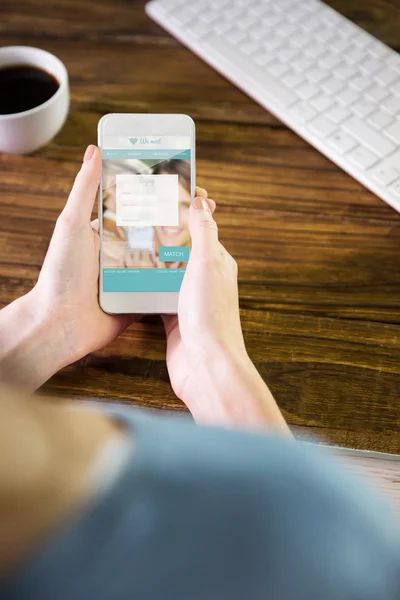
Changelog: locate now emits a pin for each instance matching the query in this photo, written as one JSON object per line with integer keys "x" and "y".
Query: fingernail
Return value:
{"x": 212, "y": 204}
{"x": 200, "y": 203}
{"x": 89, "y": 153}
{"x": 201, "y": 192}
{"x": 205, "y": 205}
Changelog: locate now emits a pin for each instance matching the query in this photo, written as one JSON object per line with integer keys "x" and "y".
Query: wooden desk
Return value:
{"x": 318, "y": 254}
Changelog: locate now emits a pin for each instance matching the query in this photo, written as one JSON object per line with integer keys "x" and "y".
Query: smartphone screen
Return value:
{"x": 146, "y": 195}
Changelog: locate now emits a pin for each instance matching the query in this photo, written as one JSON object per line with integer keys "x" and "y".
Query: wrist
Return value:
{"x": 31, "y": 349}
{"x": 233, "y": 393}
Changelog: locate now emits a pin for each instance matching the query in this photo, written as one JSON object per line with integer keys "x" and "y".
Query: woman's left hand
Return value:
{"x": 66, "y": 293}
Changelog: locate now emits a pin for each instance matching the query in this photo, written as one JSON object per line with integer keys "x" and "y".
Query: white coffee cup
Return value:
{"x": 27, "y": 131}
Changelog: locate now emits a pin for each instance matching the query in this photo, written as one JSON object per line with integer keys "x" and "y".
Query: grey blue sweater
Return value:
{"x": 208, "y": 514}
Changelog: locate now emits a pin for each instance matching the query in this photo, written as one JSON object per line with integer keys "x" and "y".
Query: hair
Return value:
{"x": 113, "y": 167}
{"x": 175, "y": 167}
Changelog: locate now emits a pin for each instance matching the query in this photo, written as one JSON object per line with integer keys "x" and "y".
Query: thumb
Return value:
{"x": 83, "y": 194}
{"x": 203, "y": 229}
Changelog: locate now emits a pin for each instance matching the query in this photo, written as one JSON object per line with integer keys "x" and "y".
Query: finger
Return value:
{"x": 95, "y": 225}
{"x": 83, "y": 194}
{"x": 201, "y": 192}
{"x": 170, "y": 323}
{"x": 212, "y": 204}
{"x": 203, "y": 229}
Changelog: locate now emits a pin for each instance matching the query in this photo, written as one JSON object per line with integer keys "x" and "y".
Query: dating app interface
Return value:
{"x": 146, "y": 198}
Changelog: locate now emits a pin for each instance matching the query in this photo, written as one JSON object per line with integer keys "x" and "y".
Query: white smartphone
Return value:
{"x": 148, "y": 183}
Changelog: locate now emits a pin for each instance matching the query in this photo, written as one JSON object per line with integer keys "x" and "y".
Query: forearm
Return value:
{"x": 30, "y": 347}
{"x": 234, "y": 393}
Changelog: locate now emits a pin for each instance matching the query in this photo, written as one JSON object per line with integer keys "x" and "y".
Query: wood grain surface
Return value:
{"x": 318, "y": 254}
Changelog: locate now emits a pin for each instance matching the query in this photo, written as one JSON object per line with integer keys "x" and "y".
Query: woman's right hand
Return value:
{"x": 206, "y": 355}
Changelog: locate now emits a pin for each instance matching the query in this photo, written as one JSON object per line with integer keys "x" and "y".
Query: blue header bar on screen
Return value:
{"x": 111, "y": 154}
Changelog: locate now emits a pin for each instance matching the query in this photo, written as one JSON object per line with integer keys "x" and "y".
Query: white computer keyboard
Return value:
{"x": 327, "y": 79}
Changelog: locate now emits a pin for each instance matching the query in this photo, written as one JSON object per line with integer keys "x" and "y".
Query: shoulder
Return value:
{"x": 272, "y": 467}
{"x": 259, "y": 500}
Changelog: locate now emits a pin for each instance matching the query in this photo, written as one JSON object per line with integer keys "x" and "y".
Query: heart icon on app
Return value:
{"x": 133, "y": 140}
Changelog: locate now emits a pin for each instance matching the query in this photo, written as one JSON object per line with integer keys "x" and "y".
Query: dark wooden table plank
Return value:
{"x": 318, "y": 254}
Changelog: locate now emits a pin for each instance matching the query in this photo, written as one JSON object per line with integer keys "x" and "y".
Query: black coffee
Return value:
{"x": 23, "y": 87}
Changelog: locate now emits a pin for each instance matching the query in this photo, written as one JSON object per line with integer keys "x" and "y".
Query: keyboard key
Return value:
{"x": 362, "y": 158}
{"x": 394, "y": 62}
{"x": 199, "y": 7}
{"x": 385, "y": 174}
{"x": 299, "y": 40}
{"x": 259, "y": 33}
{"x": 302, "y": 64}
{"x": 379, "y": 119}
{"x": 209, "y": 16}
{"x": 362, "y": 108}
{"x": 312, "y": 24}
{"x": 315, "y": 50}
{"x": 288, "y": 53}
{"x": 232, "y": 12}
{"x": 316, "y": 75}
{"x": 393, "y": 131}
{"x": 311, "y": 5}
{"x": 396, "y": 88}
{"x": 330, "y": 61}
{"x": 347, "y": 97}
{"x": 286, "y": 28}
{"x": 395, "y": 188}
{"x": 322, "y": 102}
{"x": 370, "y": 65}
{"x": 378, "y": 50}
{"x": 391, "y": 104}
{"x": 293, "y": 80}
{"x": 221, "y": 26}
{"x": 342, "y": 142}
{"x": 235, "y": 36}
{"x": 369, "y": 137}
{"x": 376, "y": 93}
{"x": 331, "y": 17}
{"x": 199, "y": 29}
{"x": 345, "y": 71}
{"x": 296, "y": 14}
{"x": 307, "y": 91}
{"x": 263, "y": 58}
{"x": 348, "y": 29}
{"x": 332, "y": 86}
{"x": 354, "y": 54}
{"x": 185, "y": 16}
{"x": 249, "y": 47}
{"x": 386, "y": 76}
{"x": 338, "y": 113}
{"x": 271, "y": 88}
{"x": 169, "y": 5}
{"x": 321, "y": 127}
{"x": 258, "y": 9}
{"x": 284, "y": 5}
{"x": 362, "y": 38}
{"x": 360, "y": 83}
{"x": 325, "y": 35}
{"x": 340, "y": 45}
{"x": 303, "y": 112}
{"x": 246, "y": 22}
{"x": 277, "y": 68}
{"x": 273, "y": 42}
{"x": 272, "y": 19}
